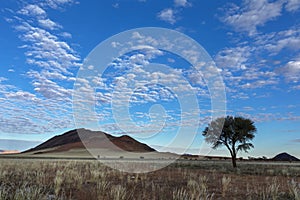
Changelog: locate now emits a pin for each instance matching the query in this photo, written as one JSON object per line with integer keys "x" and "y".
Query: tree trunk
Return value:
{"x": 233, "y": 159}
{"x": 233, "y": 155}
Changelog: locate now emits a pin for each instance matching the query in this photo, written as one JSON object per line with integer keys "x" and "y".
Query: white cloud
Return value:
{"x": 3, "y": 79}
{"x": 116, "y": 5}
{"x": 24, "y": 112}
{"x": 32, "y": 10}
{"x": 196, "y": 77}
{"x": 167, "y": 15}
{"x": 242, "y": 70}
{"x": 139, "y": 81}
{"x": 252, "y": 14}
{"x": 291, "y": 43}
{"x": 292, "y": 5}
{"x": 181, "y": 3}
{"x": 48, "y": 107}
{"x": 46, "y": 50}
{"x": 66, "y": 35}
{"x": 48, "y": 88}
{"x": 291, "y": 71}
{"x": 296, "y": 87}
{"x": 278, "y": 41}
{"x": 256, "y": 64}
{"x": 54, "y": 75}
{"x": 234, "y": 58}
{"x": 49, "y": 24}
{"x": 20, "y": 95}
{"x": 56, "y": 4}
{"x": 259, "y": 83}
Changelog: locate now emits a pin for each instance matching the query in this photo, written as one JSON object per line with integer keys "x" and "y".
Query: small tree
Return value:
{"x": 235, "y": 134}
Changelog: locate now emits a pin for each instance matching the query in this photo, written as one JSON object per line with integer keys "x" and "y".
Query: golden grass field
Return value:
{"x": 51, "y": 179}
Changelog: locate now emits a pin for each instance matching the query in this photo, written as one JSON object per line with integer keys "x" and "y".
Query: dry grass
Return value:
{"x": 70, "y": 179}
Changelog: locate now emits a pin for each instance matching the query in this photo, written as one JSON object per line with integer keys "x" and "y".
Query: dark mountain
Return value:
{"x": 285, "y": 157}
{"x": 95, "y": 139}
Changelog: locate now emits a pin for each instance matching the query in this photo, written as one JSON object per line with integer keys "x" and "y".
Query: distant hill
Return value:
{"x": 71, "y": 140}
{"x": 284, "y": 157}
{"x": 9, "y": 151}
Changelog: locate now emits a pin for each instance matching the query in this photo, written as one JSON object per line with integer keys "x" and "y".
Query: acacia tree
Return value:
{"x": 235, "y": 135}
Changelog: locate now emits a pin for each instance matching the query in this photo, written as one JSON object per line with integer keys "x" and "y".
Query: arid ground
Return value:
{"x": 184, "y": 179}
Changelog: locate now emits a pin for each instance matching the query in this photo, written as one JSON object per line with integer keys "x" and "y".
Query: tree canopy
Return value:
{"x": 235, "y": 133}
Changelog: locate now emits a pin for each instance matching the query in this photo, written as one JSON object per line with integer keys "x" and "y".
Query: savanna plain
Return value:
{"x": 53, "y": 179}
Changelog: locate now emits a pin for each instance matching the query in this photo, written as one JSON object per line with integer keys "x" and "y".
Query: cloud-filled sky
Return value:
{"x": 254, "y": 44}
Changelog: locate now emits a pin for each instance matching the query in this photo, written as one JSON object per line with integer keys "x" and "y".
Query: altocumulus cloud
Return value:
{"x": 49, "y": 107}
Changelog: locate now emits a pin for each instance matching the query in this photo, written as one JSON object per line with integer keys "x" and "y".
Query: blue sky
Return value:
{"x": 255, "y": 46}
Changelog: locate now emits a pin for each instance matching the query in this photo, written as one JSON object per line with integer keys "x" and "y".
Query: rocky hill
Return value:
{"x": 284, "y": 157}
{"x": 95, "y": 139}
